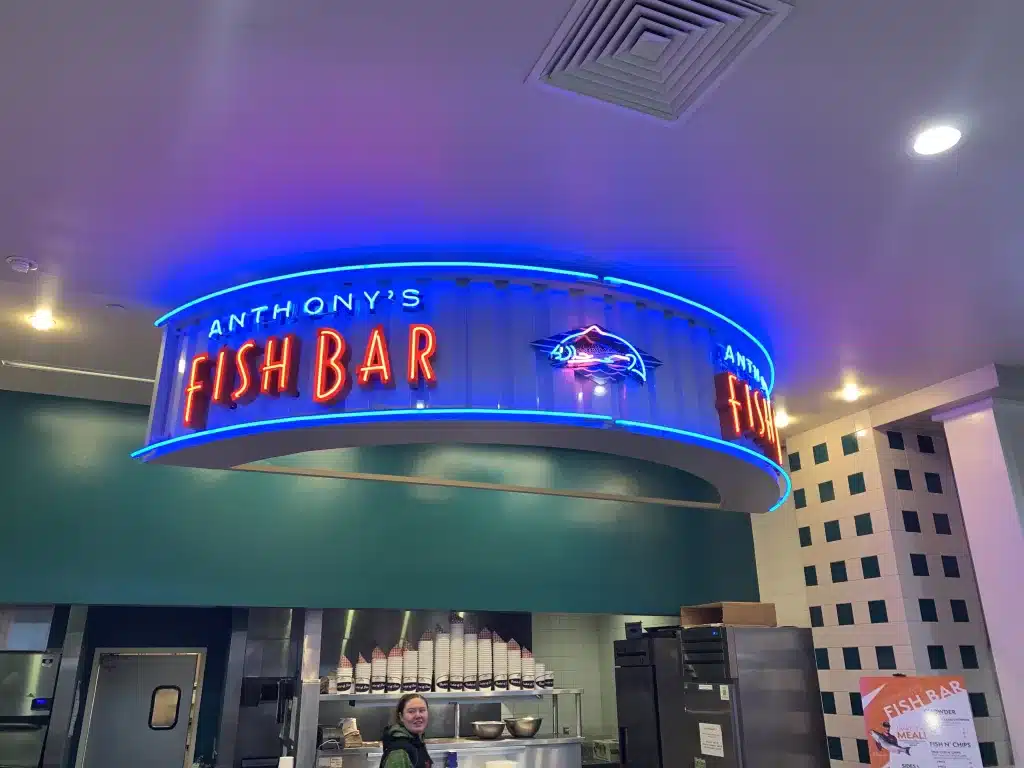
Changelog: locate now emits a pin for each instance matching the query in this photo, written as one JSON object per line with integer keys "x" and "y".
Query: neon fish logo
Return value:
{"x": 596, "y": 354}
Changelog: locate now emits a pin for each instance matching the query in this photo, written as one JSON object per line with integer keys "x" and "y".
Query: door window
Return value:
{"x": 163, "y": 707}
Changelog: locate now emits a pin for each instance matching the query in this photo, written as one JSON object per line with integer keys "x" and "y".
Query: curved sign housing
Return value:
{"x": 467, "y": 352}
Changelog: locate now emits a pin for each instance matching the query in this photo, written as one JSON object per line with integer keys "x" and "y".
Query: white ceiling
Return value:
{"x": 153, "y": 151}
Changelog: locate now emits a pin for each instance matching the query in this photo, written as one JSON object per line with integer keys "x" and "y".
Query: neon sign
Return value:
{"x": 730, "y": 359}
{"x": 596, "y": 354}
{"x": 235, "y": 377}
{"x": 317, "y": 305}
{"x": 746, "y": 412}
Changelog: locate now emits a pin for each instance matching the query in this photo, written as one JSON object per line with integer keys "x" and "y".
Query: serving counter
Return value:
{"x": 538, "y": 752}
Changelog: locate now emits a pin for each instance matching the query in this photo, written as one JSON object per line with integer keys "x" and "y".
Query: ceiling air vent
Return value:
{"x": 654, "y": 56}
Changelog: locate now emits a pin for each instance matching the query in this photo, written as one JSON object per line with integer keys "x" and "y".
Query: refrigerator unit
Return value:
{"x": 719, "y": 697}
{"x": 27, "y": 682}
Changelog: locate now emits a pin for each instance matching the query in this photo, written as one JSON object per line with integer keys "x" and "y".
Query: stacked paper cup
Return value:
{"x": 425, "y": 664}
{"x": 484, "y": 661}
{"x": 529, "y": 669}
{"x": 500, "y": 650}
{"x": 378, "y": 671}
{"x": 549, "y": 679}
{"x": 470, "y": 672}
{"x": 457, "y": 666}
{"x": 410, "y": 668}
{"x": 393, "y": 673}
{"x": 362, "y": 675}
{"x": 538, "y": 675}
{"x": 442, "y": 660}
{"x": 515, "y": 665}
{"x": 343, "y": 681}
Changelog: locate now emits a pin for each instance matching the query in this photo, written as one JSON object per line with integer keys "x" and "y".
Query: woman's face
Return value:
{"x": 415, "y": 715}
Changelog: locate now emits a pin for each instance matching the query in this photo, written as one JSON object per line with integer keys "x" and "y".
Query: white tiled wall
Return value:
{"x": 781, "y": 560}
{"x": 24, "y": 628}
{"x": 578, "y": 648}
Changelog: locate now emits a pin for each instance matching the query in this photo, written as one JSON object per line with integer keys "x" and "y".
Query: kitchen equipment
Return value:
{"x": 488, "y": 729}
{"x": 27, "y": 682}
{"x": 523, "y": 727}
{"x": 721, "y": 697}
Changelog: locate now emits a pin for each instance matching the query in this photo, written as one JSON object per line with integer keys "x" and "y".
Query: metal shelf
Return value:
{"x": 451, "y": 697}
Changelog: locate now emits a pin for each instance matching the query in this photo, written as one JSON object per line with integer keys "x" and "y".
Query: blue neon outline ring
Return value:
{"x": 580, "y": 419}
{"x": 615, "y": 281}
{"x": 698, "y": 437}
{"x": 356, "y": 267}
{"x": 703, "y": 307}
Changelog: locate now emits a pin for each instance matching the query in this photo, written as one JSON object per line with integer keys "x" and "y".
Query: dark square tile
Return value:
{"x": 950, "y": 566}
{"x": 838, "y": 569}
{"x": 826, "y": 491}
{"x": 794, "y": 461}
{"x": 821, "y": 658}
{"x": 911, "y": 521}
{"x": 885, "y": 656}
{"x": 919, "y": 565}
{"x": 896, "y": 441}
{"x": 820, "y": 452}
{"x": 828, "y": 702}
{"x": 851, "y": 658}
{"x": 942, "y": 526}
{"x": 903, "y": 481}
{"x": 969, "y": 657}
{"x": 844, "y": 614}
{"x": 959, "y": 608}
{"x": 870, "y": 567}
{"x": 810, "y": 576}
{"x": 817, "y": 617}
{"x": 856, "y": 483}
{"x": 850, "y": 444}
{"x": 856, "y": 707}
{"x": 862, "y": 524}
{"x": 877, "y": 612}
{"x": 832, "y": 532}
{"x": 799, "y": 498}
{"x": 979, "y": 706}
{"x": 925, "y": 444}
{"x": 928, "y": 610}
{"x": 933, "y": 482}
{"x": 805, "y": 536}
{"x": 937, "y": 657}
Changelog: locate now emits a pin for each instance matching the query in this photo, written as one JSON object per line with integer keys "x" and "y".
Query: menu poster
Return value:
{"x": 919, "y": 722}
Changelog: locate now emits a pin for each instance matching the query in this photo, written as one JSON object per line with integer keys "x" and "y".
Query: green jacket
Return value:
{"x": 403, "y": 750}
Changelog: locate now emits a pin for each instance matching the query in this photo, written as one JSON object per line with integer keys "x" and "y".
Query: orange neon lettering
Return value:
{"x": 422, "y": 345}
{"x": 277, "y": 372}
{"x": 759, "y": 408}
{"x": 749, "y": 409}
{"x": 223, "y": 377}
{"x": 376, "y": 361}
{"x": 734, "y": 404}
{"x": 244, "y": 364}
{"x": 727, "y": 405}
{"x": 330, "y": 349}
{"x": 196, "y": 400}
{"x": 773, "y": 432}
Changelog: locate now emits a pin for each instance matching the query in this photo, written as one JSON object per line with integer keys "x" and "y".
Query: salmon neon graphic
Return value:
{"x": 596, "y": 354}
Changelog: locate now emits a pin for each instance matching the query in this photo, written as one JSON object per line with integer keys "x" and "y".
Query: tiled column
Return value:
{"x": 875, "y": 534}
{"x": 986, "y": 445}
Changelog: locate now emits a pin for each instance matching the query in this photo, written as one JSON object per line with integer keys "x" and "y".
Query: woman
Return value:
{"x": 403, "y": 741}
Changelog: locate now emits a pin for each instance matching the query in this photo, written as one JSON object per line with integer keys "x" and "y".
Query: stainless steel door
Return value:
{"x": 636, "y": 706}
{"x": 25, "y": 678}
{"x": 140, "y": 711}
{"x": 21, "y": 743}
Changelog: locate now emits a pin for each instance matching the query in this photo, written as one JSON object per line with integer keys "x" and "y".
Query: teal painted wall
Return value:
{"x": 80, "y": 522}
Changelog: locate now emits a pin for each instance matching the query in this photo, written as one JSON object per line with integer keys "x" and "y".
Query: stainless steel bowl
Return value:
{"x": 488, "y": 729}
{"x": 523, "y": 727}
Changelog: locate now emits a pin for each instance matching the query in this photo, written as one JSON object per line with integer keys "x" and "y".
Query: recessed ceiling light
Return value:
{"x": 862, "y": 433}
{"x": 937, "y": 139}
{"x": 781, "y": 418}
{"x": 42, "y": 319}
{"x": 600, "y": 390}
{"x": 850, "y": 392}
{"x": 22, "y": 266}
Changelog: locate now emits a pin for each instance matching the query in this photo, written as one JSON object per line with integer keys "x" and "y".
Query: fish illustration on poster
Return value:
{"x": 919, "y": 722}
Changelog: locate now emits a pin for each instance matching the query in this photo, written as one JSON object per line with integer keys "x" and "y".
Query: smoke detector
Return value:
{"x": 21, "y": 266}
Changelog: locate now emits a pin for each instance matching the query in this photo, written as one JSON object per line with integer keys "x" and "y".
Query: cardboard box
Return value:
{"x": 736, "y": 614}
